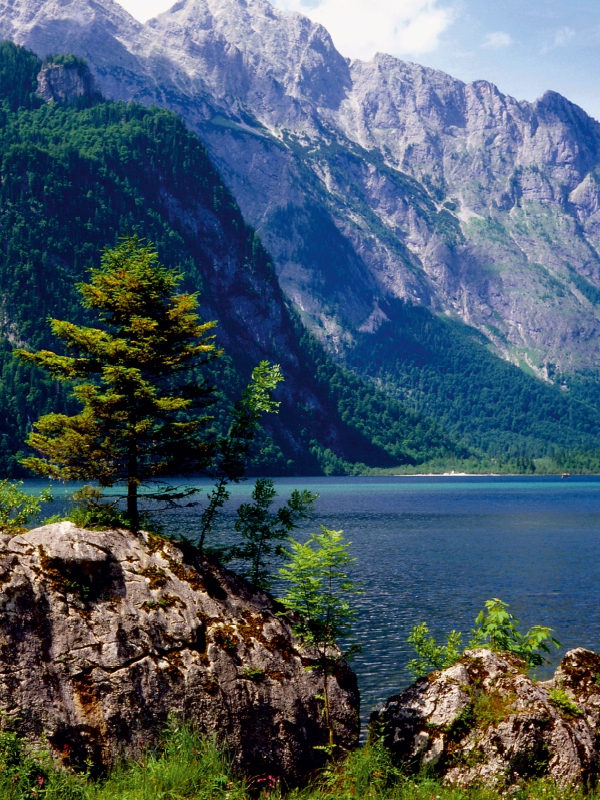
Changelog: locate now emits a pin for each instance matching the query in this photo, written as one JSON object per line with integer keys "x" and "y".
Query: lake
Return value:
{"x": 435, "y": 548}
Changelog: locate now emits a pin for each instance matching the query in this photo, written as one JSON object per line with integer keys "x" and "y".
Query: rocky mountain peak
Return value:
{"x": 418, "y": 187}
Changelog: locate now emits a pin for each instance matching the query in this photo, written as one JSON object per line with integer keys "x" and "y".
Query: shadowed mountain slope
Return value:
{"x": 73, "y": 178}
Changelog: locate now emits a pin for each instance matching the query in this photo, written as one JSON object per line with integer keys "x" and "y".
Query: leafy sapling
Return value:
{"x": 429, "y": 655}
{"x": 497, "y": 629}
{"x": 318, "y": 596}
{"x": 17, "y": 507}
{"x": 263, "y": 531}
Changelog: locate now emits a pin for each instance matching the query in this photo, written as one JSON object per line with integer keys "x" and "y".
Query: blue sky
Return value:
{"x": 523, "y": 46}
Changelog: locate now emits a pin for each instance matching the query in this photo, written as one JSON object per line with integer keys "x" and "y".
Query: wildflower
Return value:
{"x": 40, "y": 780}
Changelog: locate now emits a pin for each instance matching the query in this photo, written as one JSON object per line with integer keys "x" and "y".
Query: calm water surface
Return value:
{"x": 435, "y": 549}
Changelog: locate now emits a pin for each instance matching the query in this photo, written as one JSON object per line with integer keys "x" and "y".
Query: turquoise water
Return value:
{"x": 435, "y": 549}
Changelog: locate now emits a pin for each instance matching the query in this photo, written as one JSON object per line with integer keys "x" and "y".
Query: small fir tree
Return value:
{"x": 229, "y": 464}
{"x": 136, "y": 376}
{"x": 262, "y": 530}
{"x": 318, "y": 593}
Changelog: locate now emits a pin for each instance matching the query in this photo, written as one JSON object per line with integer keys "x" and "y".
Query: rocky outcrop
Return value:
{"x": 66, "y": 83}
{"x": 104, "y": 634}
{"x": 416, "y": 185}
{"x": 484, "y": 720}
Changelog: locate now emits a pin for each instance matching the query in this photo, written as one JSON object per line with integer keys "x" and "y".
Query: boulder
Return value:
{"x": 104, "y": 634}
{"x": 484, "y": 720}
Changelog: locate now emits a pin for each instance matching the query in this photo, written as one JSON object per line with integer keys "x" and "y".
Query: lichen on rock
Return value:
{"x": 484, "y": 720}
{"x": 104, "y": 634}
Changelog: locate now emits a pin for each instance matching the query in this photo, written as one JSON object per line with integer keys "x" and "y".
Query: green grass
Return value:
{"x": 189, "y": 767}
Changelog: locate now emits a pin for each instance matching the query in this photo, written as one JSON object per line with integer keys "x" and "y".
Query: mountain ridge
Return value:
{"x": 263, "y": 68}
{"x": 373, "y": 184}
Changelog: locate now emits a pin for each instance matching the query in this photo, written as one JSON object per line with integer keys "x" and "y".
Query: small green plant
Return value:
{"x": 254, "y": 674}
{"x": 319, "y": 586}
{"x": 263, "y": 531}
{"x": 17, "y": 507}
{"x": 564, "y": 703}
{"x": 497, "y": 629}
{"x": 429, "y": 655}
{"x": 492, "y": 707}
{"x": 91, "y": 510}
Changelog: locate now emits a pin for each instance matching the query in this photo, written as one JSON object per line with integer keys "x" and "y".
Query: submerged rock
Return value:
{"x": 104, "y": 634}
{"x": 484, "y": 720}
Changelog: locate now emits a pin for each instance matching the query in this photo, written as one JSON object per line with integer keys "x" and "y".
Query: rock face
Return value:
{"x": 62, "y": 83}
{"x": 415, "y": 185}
{"x": 102, "y": 635}
{"x": 485, "y": 720}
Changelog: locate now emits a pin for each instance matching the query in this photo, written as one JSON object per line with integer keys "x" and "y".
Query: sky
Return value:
{"x": 525, "y": 47}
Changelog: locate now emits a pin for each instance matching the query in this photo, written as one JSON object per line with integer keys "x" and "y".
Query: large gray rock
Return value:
{"x": 484, "y": 720}
{"x": 104, "y": 634}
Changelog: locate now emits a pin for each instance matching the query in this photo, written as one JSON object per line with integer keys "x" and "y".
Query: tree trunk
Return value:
{"x": 132, "y": 489}
{"x": 326, "y": 704}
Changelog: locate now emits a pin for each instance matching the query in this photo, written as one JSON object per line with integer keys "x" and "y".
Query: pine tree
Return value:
{"x": 144, "y": 404}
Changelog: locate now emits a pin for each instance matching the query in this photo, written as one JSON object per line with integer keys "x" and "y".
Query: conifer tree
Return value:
{"x": 144, "y": 405}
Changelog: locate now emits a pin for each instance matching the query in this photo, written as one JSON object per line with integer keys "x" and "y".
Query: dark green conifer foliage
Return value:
{"x": 263, "y": 530}
{"x": 18, "y": 77}
{"x": 132, "y": 376}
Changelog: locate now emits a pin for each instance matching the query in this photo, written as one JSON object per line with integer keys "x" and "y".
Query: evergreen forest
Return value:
{"x": 75, "y": 178}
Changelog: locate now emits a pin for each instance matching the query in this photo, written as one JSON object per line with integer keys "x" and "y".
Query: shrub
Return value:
{"x": 431, "y": 656}
{"x": 17, "y": 507}
{"x": 497, "y": 629}
{"x": 564, "y": 703}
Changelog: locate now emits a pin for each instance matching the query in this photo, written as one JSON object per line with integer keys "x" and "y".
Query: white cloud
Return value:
{"x": 497, "y": 40}
{"x": 360, "y": 29}
{"x": 143, "y": 10}
{"x": 563, "y": 35}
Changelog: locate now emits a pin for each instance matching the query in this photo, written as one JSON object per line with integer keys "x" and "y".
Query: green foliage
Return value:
{"x": 262, "y": 531}
{"x": 429, "y": 655}
{"x": 318, "y": 592}
{"x": 254, "y": 674}
{"x": 66, "y": 60}
{"x": 74, "y": 179}
{"x": 497, "y": 629}
{"x": 564, "y": 703}
{"x": 132, "y": 377}
{"x": 17, "y": 507}
{"x": 232, "y": 450}
{"x": 188, "y": 766}
{"x": 91, "y": 510}
{"x": 444, "y": 370}
{"x": 18, "y": 78}
{"x": 27, "y": 773}
{"x": 404, "y": 436}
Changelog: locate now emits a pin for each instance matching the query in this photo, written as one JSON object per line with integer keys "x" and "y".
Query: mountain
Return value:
{"x": 73, "y": 178}
{"x": 385, "y": 191}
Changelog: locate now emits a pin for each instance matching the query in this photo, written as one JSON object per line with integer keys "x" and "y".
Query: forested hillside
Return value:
{"x": 75, "y": 178}
{"x": 444, "y": 369}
